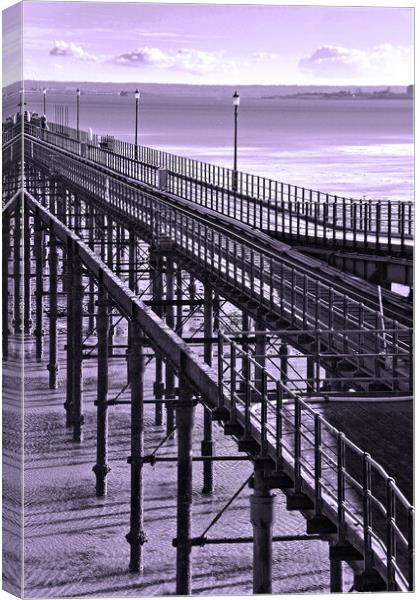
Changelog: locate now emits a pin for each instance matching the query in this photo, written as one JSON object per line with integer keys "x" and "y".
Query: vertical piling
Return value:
{"x": 207, "y": 444}
{"x": 77, "y": 343}
{"x": 336, "y": 576}
{"x": 5, "y": 282}
{"x": 39, "y": 288}
{"x": 185, "y": 421}
{"x": 91, "y": 237}
{"x": 157, "y": 293}
{"x": 17, "y": 268}
{"x": 52, "y": 339}
{"x": 27, "y": 323}
{"x": 101, "y": 469}
{"x": 136, "y": 536}
{"x": 262, "y": 525}
{"x": 169, "y": 372}
{"x": 68, "y": 280}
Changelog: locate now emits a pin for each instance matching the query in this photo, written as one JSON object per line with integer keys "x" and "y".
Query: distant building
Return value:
{"x": 410, "y": 91}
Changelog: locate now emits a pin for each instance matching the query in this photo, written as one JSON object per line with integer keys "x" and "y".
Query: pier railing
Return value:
{"x": 344, "y": 483}
{"x": 294, "y": 213}
{"x": 273, "y": 282}
{"x": 324, "y": 463}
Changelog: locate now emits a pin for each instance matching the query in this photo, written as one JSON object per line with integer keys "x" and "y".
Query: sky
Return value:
{"x": 215, "y": 44}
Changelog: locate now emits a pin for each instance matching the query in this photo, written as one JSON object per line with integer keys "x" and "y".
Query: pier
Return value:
{"x": 251, "y": 308}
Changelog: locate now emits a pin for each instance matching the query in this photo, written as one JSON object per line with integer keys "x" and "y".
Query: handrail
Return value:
{"x": 270, "y": 434}
{"x": 296, "y": 214}
{"x": 319, "y": 479}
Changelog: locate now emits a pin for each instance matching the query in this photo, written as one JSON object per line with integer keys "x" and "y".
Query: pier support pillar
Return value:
{"x": 101, "y": 469}
{"x": 185, "y": 410}
{"x": 39, "y": 288}
{"x": 77, "y": 345}
{"x": 169, "y": 372}
{"x": 284, "y": 366}
{"x": 68, "y": 280}
{"x": 52, "y": 337}
{"x": 27, "y": 322}
{"x": 157, "y": 294}
{"x": 5, "y": 283}
{"x": 262, "y": 525}
{"x": 336, "y": 576}
{"x": 17, "y": 270}
{"x": 260, "y": 350}
{"x": 136, "y": 536}
{"x": 207, "y": 445}
{"x": 91, "y": 237}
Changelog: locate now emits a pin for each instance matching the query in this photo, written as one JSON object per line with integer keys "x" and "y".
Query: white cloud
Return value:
{"x": 382, "y": 62}
{"x": 69, "y": 49}
{"x": 261, "y": 56}
{"x": 185, "y": 59}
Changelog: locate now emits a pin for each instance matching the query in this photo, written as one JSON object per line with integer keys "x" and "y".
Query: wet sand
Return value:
{"x": 75, "y": 542}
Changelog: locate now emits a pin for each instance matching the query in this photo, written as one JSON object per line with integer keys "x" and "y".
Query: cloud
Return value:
{"x": 69, "y": 49}
{"x": 185, "y": 59}
{"x": 382, "y": 62}
{"x": 261, "y": 56}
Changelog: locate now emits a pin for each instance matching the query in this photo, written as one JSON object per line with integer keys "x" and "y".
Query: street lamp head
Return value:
{"x": 236, "y": 99}
{"x": 78, "y": 92}
{"x": 137, "y": 95}
{"x": 44, "y": 91}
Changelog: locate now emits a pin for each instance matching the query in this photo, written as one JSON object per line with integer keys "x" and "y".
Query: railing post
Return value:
{"x": 390, "y": 534}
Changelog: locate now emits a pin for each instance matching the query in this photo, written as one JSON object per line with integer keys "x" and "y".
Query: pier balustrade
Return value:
{"x": 290, "y": 212}
{"x": 273, "y": 282}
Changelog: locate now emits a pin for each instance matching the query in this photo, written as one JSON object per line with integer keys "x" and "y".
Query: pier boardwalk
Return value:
{"x": 266, "y": 339}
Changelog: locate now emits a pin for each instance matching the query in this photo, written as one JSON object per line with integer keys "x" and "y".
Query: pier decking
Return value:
{"x": 202, "y": 287}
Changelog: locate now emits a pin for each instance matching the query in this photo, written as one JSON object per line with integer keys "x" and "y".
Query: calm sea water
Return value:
{"x": 353, "y": 147}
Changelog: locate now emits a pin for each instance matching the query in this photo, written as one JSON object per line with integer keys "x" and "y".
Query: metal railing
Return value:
{"x": 345, "y": 483}
{"x": 360, "y": 495}
{"x": 273, "y": 282}
{"x": 294, "y": 213}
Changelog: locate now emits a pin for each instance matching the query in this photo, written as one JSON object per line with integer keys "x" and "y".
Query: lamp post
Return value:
{"x": 44, "y": 93}
{"x": 136, "y": 150}
{"x": 236, "y": 100}
{"x": 77, "y": 112}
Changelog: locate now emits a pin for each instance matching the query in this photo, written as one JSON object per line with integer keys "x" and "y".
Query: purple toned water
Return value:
{"x": 354, "y": 147}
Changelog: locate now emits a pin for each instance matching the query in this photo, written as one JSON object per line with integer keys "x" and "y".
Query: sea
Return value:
{"x": 353, "y": 146}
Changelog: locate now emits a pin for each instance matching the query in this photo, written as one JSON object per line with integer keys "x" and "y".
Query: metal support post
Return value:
{"x": 17, "y": 268}
{"x": 136, "y": 537}
{"x": 39, "y": 288}
{"x": 101, "y": 469}
{"x": 52, "y": 265}
{"x": 77, "y": 343}
{"x": 27, "y": 323}
{"x": 336, "y": 575}
{"x": 68, "y": 278}
{"x": 185, "y": 421}
{"x": 260, "y": 350}
{"x": 5, "y": 282}
{"x": 207, "y": 445}
{"x": 91, "y": 299}
{"x": 169, "y": 372}
{"x": 262, "y": 525}
{"x": 157, "y": 294}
